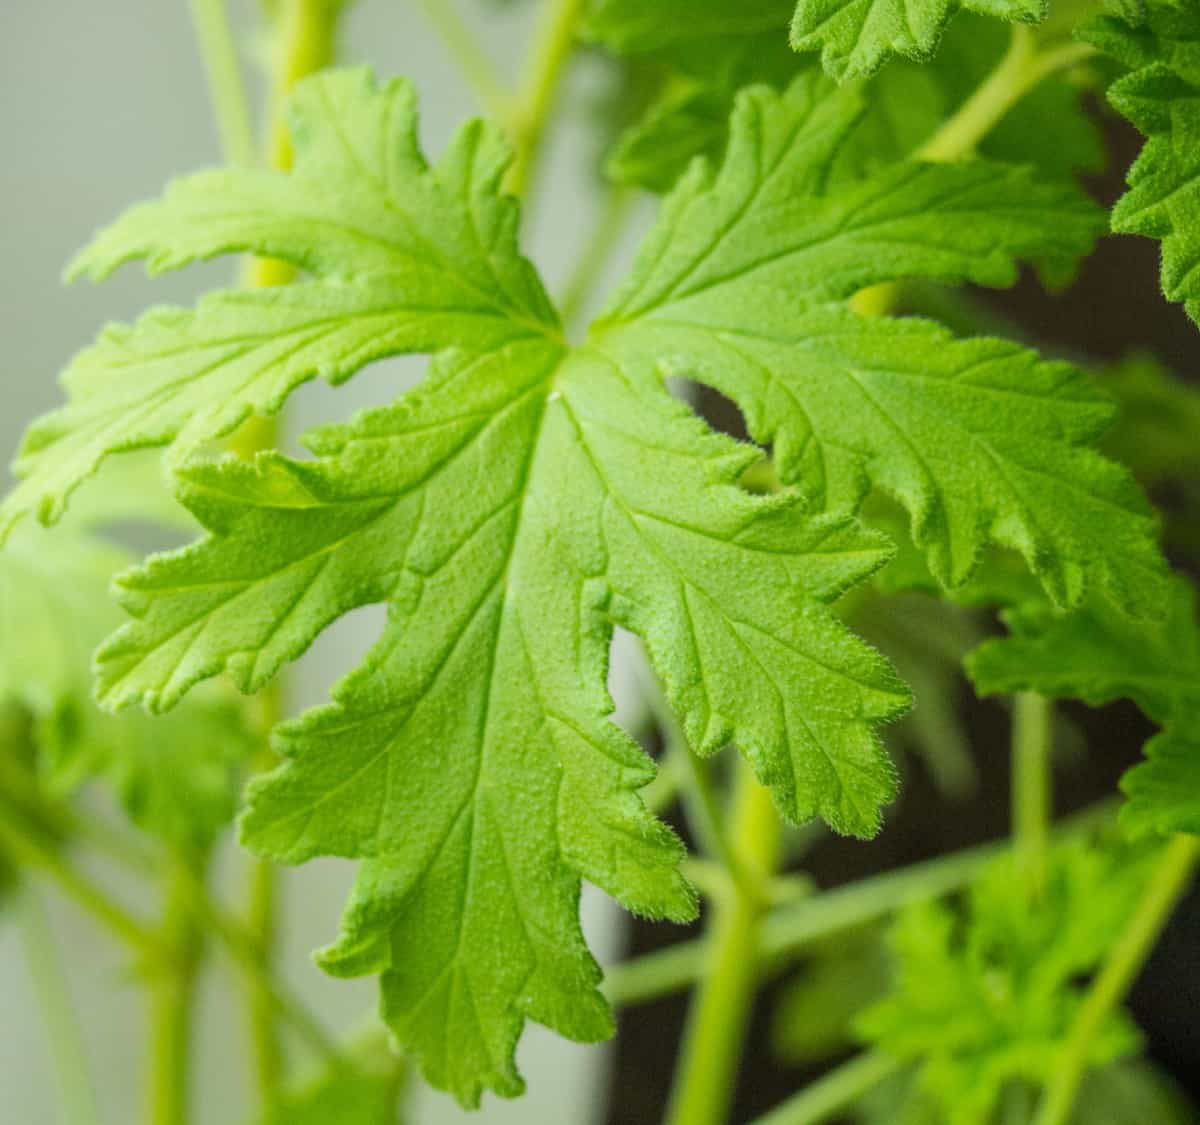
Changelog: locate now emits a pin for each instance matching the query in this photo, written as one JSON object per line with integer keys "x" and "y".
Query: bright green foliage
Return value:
{"x": 985, "y": 997}
{"x": 855, "y": 37}
{"x": 1128, "y": 1092}
{"x": 1098, "y": 655}
{"x": 436, "y": 243}
{"x": 176, "y": 779}
{"x": 1161, "y": 46}
{"x": 905, "y": 103}
{"x": 743, "y": 285}
{"x": 528, "y": 496}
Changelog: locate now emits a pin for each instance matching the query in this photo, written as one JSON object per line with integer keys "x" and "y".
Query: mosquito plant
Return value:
{"x": 836, "y": 182}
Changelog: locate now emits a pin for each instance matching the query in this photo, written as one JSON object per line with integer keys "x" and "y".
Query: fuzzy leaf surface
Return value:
{"x": 438, "y": 243}
{"x": 856, "y": 37}
{"x": 743, "y": 285}
{"x": 530, "y": 496}
{"x": 1160, "y": 43}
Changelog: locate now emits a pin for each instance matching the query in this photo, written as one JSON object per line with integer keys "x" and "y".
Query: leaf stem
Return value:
{"x": 29, "y": 849}
{"x": 596, "y": 253}
{"x": 1168, "y": 883}
{"x": 1032, "y": 731}
{"x": 226, "y": 88}
{"x": 243, "y": 946}
{"x": 73, "y": 1083}
{"x": 473, "y": 61}
{"x": 172, "y": 1005}
{"x": 833, "y": 1092}
{"x": 305, "y": 42}
{"x": 1019, "y": 71}
{"x": 705, "y": 1079}
{"x": 791, "y": 928}
{"x": 555, "y": 41}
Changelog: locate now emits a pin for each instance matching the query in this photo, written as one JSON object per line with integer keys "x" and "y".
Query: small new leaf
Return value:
{"x": 856, "y": 37}
{"x": 986, "y": 997}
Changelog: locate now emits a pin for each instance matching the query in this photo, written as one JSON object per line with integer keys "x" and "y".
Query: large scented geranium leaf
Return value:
{"x": 986, "y": 997}
{"x": 1160, "y": 43}
{"x": 1098, "y": 655}
{"x": 471, "y": 757}
{"x": 744, "y": 284}
{"x": 437, "y": 243}
{"x": 177, "y": 776}
{"x": 855, "y": 37}
{"x": 530, "y": 496}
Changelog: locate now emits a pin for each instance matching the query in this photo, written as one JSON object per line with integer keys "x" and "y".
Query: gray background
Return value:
{"x": 102, "y": 102}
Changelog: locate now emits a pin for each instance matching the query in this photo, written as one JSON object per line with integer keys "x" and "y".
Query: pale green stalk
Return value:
{"x": 27, "y": 849}
{"x": 72, "y": 1082}
{"x": 226, "y": 88}
{"x": 834, "y": 1092}
{"x": 473, "y": 61}
{"x": 789, "y": 929}
{"x": 1168, "y": 883}
{"x": 172, "y": 1006}
{"x": 707, "y": 1073}
{"x": 596, "y": 254}
{"x": 1018, "y": 72}
{"x": 1033, "y": 721}
{"x": 555, "y": 41}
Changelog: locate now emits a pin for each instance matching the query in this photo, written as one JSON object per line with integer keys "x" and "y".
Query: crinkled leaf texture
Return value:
{"x": 986, "y": 996}
{"x": 1160, "y": 43}
{"x": 856, "y": 37}
{"x": 529, "y": 496}
{"x": 1098, "y": 654}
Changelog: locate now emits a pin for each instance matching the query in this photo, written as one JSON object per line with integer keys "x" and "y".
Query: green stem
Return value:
{"x": 30, "y": 850}
{"x": 243, "y": 946}
{"x": 789, "y": 929}
{"x": 1033, "y": 721}
{"x": 227, "y": 91}
{"x": 472, "y": 59}
{"x": 172, "y": 1006}
{"x": 1019, "y": 71}
{"x": 705, "y": 1079}
{"x": 834, "y": 1092}
{"x": 1167, "y": 885}
{"x": 305, "y": 42}
{"x": 589, "y": 266}
{"x": 72, "y": 1081}
{"x": 554, "y": 44}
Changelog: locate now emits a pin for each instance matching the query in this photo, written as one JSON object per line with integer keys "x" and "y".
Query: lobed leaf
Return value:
{"x": 1160, "y": 43}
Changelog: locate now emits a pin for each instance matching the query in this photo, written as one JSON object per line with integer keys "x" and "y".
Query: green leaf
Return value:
{"x": 530, "y": 496}
{"x": 905, "y": 105}
{"x": 1160, "y": 43}
{"x": 176, "y": 777}
{"x": 437, "y": 243}
{"x": 743, "y": 286}
{"x": 856, "y": 37}
{"x": 1099, "y": 655}
{"x": 986, "y": 997}
{"x": 727, "y": 44}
